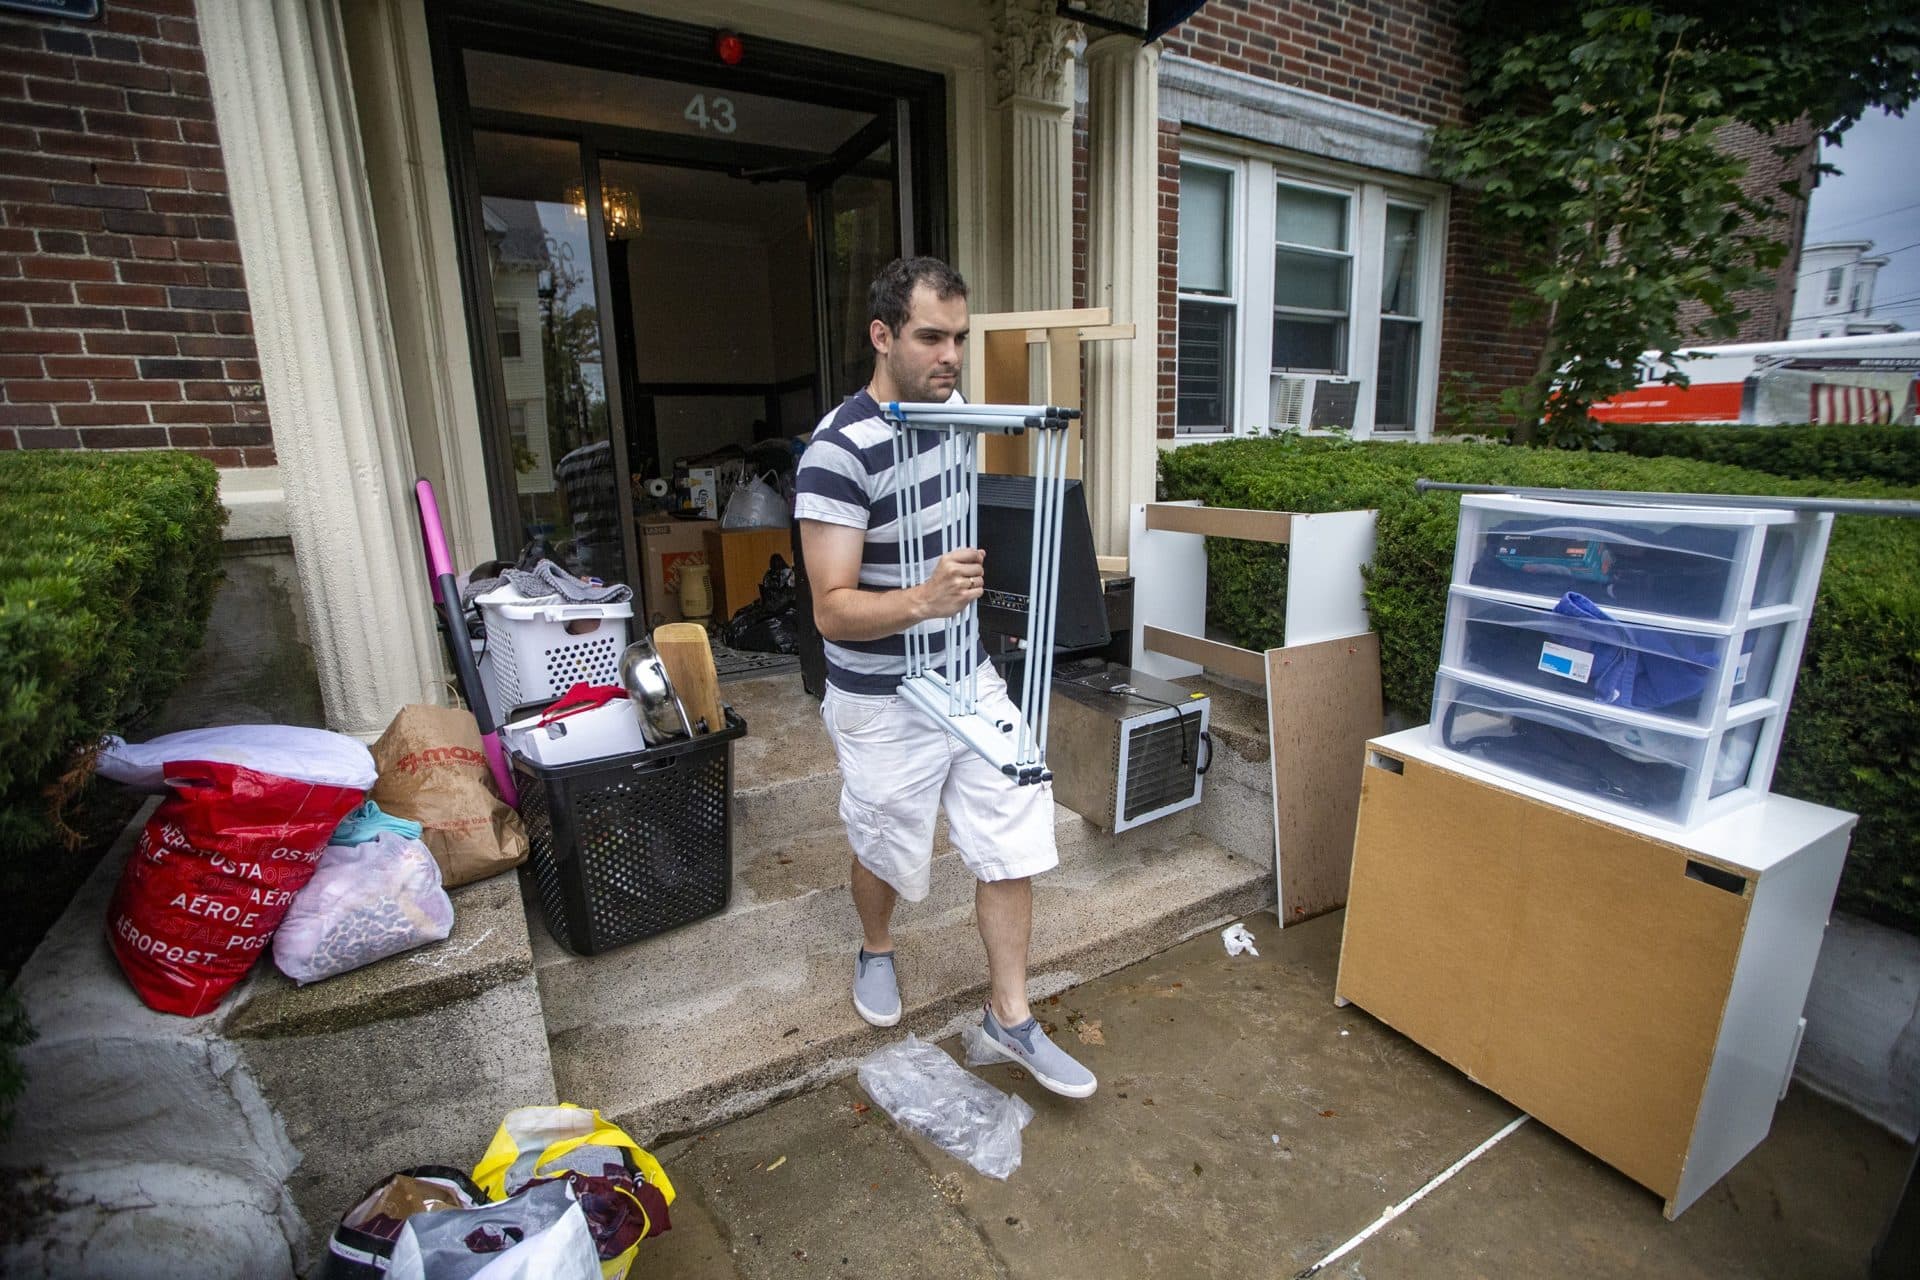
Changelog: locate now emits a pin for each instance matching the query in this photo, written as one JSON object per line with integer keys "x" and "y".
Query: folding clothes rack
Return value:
{"x": 948, "y": 691}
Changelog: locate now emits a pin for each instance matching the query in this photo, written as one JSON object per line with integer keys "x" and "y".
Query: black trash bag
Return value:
{"x": 770, "y": 624}
{"x": 776, "y": 585}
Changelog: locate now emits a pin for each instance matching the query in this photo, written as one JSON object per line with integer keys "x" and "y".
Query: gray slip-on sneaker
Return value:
{"x": 876, "y": 991}
{"x": 1028, "y": 1045}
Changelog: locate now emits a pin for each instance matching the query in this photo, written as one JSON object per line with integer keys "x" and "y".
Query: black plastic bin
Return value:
{"x": 630, "y": 846}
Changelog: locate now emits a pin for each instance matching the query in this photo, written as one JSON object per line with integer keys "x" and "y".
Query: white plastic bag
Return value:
{"x": 287, "y": 751}
{"x": 365, "y": 902}
{"x": 554, "y": 1242}
{"x": 926, "y": 1091}
{"x": 756, "y": 505}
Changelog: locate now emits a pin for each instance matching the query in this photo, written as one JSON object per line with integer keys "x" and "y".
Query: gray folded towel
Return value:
{"x": 549, "y": 579}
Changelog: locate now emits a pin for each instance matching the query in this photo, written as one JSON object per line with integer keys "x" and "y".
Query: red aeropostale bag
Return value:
{"x": 218, "y": 864}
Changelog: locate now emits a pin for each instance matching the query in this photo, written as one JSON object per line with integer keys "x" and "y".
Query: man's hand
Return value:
{"x": 957, "y": 581}
{"x": 844, "y": 612}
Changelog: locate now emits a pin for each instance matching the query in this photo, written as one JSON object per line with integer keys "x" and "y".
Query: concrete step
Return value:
{"x": 785, "y": 778}
{"x": 709, "y": 1022}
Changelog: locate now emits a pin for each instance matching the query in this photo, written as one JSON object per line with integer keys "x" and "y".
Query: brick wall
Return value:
{"x": 1395, "y": 55}
{"x": 1482, "y": 350}
{"x": 1770, "y": 307}
{"x": 1398, "y": 56}
{"x": 123, "y": 308}
{"x": 1169, "y": 264}
{"x": 1080, "y": 154}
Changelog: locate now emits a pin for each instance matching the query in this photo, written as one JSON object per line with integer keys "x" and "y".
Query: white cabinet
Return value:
{"x": 1639, "y": 659}
{"x": 1635, "y": 988}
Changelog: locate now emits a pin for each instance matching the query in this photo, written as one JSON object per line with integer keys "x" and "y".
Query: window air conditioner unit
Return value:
{"x": 1126, "y": 748}
{"x": 1313, "y": 402}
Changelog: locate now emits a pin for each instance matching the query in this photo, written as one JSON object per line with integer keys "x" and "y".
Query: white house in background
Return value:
{"x": 1835, "y": 294}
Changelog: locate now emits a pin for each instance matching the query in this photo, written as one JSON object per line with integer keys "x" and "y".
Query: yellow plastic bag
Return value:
{"x": 546, "y": 1142}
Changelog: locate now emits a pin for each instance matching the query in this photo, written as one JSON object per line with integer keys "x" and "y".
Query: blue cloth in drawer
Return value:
{"x": 1647, "y": 668}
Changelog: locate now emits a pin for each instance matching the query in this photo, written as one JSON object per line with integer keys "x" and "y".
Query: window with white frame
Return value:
{"x": 1312, "y": 280}
{"x": 1333, "y": 282}
{"x": 1396, "y": 397}
{"x": 1835, "y": 278}
{"x": 1203, "y": 398}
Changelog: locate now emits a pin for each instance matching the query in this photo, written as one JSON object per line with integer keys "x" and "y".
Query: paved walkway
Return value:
{"x": 1246, "y": 1128}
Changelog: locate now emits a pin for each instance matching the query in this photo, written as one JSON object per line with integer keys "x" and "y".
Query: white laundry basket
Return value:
{"x": 537, "y": 650}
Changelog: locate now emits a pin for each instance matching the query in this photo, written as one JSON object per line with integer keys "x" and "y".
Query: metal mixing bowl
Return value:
{"x": 644, "y": 677}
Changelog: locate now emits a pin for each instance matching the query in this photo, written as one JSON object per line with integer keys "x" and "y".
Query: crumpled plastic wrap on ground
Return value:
{"x": 926, "y": 1091}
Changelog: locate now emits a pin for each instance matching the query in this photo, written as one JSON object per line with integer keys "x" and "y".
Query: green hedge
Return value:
{"x": 1866, "y": 452}
{"x": 108, "y": 565}
{"x": 1850, "y": 740}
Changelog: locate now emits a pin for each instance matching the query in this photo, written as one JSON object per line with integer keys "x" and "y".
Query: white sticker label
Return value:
{"x": 1740, "y": 669}
{"x": 1569, "y": 664}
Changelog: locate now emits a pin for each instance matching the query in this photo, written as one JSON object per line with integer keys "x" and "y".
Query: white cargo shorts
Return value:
{"x": 897, "y": 767}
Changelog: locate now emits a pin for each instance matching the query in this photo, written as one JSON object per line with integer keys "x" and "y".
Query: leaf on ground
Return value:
{"x": 1053, "y": 999}
{"x": 861, "y": 1108}
{"x": 1328, "y": 1114}
{"x": 1050, "y": 1028}
{"x": 1196, "y": 1168}
{"x": 776, "y": 1164}
{"x": 1017, "y": 1074}
{"x": 1090, "y": 1033}
{"x": 1149, "y": 1101}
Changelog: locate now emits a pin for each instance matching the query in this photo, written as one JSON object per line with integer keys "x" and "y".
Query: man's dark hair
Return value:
{"x": 891, "y": 298}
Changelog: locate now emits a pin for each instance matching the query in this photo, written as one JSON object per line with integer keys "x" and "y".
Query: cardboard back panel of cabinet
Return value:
{"x": 1572, "y": 967}
{"x": 1323, "y": 703}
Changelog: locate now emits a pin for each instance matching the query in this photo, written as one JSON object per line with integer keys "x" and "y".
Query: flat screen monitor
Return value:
{"x": 1006, "y": 535}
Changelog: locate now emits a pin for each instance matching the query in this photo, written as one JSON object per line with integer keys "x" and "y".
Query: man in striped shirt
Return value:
{"x": 897, "y": 765}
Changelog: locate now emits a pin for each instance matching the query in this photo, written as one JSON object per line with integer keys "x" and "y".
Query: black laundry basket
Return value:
{"x": 630, "y": 846}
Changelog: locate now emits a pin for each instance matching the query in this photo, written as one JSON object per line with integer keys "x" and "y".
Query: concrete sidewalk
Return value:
{"x": 1245, "y": 1127}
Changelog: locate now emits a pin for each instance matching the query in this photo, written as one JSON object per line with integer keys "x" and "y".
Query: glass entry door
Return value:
{"x": 543, "y": 275}
{"x": 666, "y": 259}
{"x": 858, "y": 227}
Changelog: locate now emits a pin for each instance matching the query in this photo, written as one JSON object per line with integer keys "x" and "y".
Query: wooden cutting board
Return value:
{"x": 688, "y": 657}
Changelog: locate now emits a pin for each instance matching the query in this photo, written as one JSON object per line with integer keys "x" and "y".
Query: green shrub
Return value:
{"x": 1867, "y": 452}
{"x": 108, "y": 565}
{"x": 1849, "y": 742}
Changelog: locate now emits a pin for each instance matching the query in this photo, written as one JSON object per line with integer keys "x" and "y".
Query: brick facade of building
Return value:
{"x": 1769, "y": 308}
{"x": 123, "y": 307}
{"x": 1397, "y": 56}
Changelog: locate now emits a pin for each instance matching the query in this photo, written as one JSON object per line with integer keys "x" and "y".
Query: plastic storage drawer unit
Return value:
{"x": 1671, "y": 672}
{"x": 1704, "y": 564}
{"x": 1617, "y": 761}
{"x": 630, "y": 846}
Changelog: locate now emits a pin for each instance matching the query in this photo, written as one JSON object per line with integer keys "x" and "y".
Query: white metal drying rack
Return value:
{"x": 948, "y": 692}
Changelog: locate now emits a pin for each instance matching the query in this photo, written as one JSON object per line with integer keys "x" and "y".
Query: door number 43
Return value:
{"x": 715, "y": 113}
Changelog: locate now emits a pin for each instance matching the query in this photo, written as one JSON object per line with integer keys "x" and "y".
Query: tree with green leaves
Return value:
{"x": 1591, "y": 150}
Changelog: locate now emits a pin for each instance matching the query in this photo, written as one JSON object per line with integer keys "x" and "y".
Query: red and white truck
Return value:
{"x": 1868, "y": 378}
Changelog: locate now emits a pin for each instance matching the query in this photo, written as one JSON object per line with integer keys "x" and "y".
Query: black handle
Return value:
{"x": 1206, "y": 745}
{"x": 462, "y": 654}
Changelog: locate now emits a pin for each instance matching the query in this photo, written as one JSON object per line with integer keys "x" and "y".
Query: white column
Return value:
{"x": 1123, "y": 249}
{"x": 296, "y": 180}
{"x": 1032, "y": 54}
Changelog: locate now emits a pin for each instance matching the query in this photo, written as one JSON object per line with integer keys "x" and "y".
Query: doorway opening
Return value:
{"x": 665, "y": 257}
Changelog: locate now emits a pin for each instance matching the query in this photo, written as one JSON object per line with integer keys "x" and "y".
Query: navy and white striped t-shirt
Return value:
{"x": 846, "y": 478}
